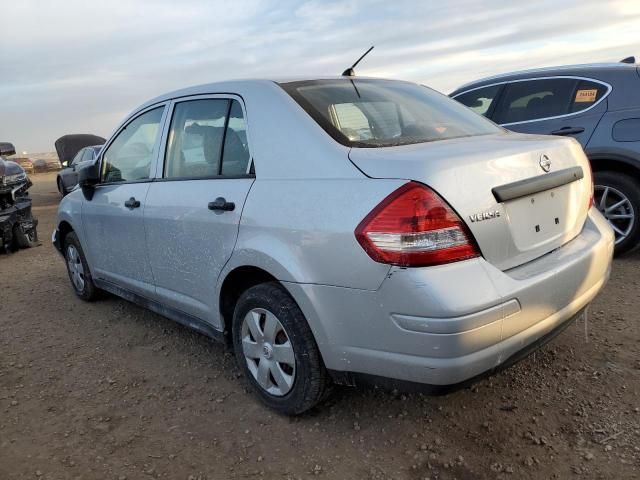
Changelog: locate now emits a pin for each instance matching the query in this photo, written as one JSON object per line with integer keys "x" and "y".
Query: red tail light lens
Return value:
{"x": 592, "y": 186}
{"x": 415, "y": 227}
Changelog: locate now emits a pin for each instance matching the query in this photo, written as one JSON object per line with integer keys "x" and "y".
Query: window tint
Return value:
{"x": 236, "y": 150}
{"x": 130, "y": 155}
{"x": 536, "y": 99}
{"x": 480, "y": 100}
{"x": 197, "y": 137}
{"x": 380, "y": 113}
{"x": 587, "y": 94}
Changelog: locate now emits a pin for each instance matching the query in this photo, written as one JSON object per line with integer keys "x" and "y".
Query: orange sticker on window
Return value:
{"x": 587, "y": 96}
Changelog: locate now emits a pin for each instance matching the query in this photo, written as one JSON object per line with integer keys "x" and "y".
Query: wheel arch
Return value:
{"x": 235, "y": 282}
{"x": 64, "y": 228}
{"x": 247, "y": 269}
{"x": 620, "y": 162}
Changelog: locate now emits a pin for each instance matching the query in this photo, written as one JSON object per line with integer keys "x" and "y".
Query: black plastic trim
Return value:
{"x": 182, "y": 318}
{"x": 529, "y": 186}
{"x": 213, "y": 177}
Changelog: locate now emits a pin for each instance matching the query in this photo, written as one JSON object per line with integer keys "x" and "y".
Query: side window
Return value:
{"x": 534, "y": 99}
{"x": 587, "y": 94}
{"x": 480, "y": 100}
{"x": 77, "y": 159}
{"x": 87, "y": 155}
{"x": 130, "y": 155}
{"x": 202, "y": 132}
{"x": 235, "y": 159}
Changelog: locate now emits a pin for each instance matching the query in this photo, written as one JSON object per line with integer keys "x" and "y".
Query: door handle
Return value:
{"x": 221, "y": 204}
{"x": 132, "y": 203}
{"x": 568, "y": 131}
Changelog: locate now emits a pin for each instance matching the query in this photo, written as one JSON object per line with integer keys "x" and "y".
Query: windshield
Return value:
{"x": 383, "y": 113}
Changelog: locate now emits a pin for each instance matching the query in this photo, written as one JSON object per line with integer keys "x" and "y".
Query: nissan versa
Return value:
{"x": 339, "y": 230}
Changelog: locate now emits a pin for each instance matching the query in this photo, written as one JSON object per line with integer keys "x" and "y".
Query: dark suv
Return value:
{"x": 598, "y": 105}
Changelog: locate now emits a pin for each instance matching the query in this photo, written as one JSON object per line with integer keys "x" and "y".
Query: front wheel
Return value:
{"x": 617, "y": 196}
{"x": 276, "y": 350}
{"x": 78, "y": 269}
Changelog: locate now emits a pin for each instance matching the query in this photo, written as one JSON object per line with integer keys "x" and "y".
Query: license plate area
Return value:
{"x": 542, "y": 218}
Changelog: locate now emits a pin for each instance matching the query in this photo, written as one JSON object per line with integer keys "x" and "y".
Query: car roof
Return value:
{"x": 587, "y": 69}
{"x": 238, "y": 85}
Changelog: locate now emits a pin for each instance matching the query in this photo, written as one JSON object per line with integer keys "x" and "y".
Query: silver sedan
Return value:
{"x": 339, "y": 230}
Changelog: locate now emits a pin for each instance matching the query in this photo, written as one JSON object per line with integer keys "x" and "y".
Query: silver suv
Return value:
{"x": 339, "y": 230}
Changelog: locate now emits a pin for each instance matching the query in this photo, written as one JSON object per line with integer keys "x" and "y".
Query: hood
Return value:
{"x": 7, "y": 167}
{"x": 68, "y": 145}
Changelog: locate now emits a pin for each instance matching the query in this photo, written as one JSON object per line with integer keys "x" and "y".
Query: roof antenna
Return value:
{"x": 628, "y": 60}
{"x": 350, "y": 72}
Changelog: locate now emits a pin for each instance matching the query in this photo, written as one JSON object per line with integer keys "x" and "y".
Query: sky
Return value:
{"x": 72, "y": 66}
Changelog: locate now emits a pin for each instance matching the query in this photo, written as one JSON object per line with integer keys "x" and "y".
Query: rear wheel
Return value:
{"x": 617, "y": 196}
{"x": 276, "y": 350}
{"x": 78, "y": 269}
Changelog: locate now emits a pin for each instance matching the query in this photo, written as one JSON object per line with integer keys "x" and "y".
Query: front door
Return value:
{"x": 113, "y": 218}
{"x": 193, "y": 208}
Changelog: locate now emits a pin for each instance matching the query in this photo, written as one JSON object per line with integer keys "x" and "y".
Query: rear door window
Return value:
{"x": 208, "y": 138}
{"x": 587, "y": 94}
{"x": 481, "y": 100}
{"x": 536, "y": 99}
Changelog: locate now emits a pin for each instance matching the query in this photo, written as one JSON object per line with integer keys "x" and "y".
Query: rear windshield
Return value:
{"x": 384, "y": 113}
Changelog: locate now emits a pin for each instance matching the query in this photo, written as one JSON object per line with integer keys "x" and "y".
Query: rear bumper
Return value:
{"x": 444, "y": 325}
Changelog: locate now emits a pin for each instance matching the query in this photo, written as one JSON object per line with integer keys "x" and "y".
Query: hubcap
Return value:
{"x": 268, "y": 352}
{"x": 616, "y": 208}
{"x": 76, "y": 269}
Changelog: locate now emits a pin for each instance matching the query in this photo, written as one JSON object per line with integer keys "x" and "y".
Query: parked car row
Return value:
{"x": 598, "y": 105}
{"x": 342, "y": 230}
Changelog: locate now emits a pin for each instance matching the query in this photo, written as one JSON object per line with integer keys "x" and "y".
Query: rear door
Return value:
{"x": 113, "y": 218}
{"x": 566, "y": 106}
{"x": 193, "y": 208}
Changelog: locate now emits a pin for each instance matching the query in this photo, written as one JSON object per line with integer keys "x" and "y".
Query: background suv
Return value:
{"x": 598, "y": 105}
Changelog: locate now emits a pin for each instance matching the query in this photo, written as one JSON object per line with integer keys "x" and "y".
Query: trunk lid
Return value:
{"x": 515, "y": 209}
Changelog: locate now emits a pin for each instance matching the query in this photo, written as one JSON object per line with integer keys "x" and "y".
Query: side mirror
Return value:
{"x": 88, "y": 178}
{"x": 7, "y": 148}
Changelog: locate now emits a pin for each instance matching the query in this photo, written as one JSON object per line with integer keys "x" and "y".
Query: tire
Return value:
{"x": 78, "y": 269}
{"x": 24, "y": 239}
{"x": 309, "y": 378}
{"x": 620, "y": 185}
{"x": 61, "y": 188}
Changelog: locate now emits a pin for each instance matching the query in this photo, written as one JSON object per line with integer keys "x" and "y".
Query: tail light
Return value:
{"x": 415, "y": 227}
{"x": 591, "y": 194}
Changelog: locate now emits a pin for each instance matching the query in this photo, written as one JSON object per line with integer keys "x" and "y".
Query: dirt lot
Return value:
{"x": 108, "y": 390}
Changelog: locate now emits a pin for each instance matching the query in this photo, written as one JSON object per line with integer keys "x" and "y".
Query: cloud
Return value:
{"x": 79, "y": 66}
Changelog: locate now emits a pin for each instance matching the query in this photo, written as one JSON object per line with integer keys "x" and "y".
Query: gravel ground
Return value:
{"x": 110, "y": 391}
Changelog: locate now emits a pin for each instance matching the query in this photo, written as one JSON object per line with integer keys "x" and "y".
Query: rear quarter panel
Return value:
{"x": 302, "y": 231}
